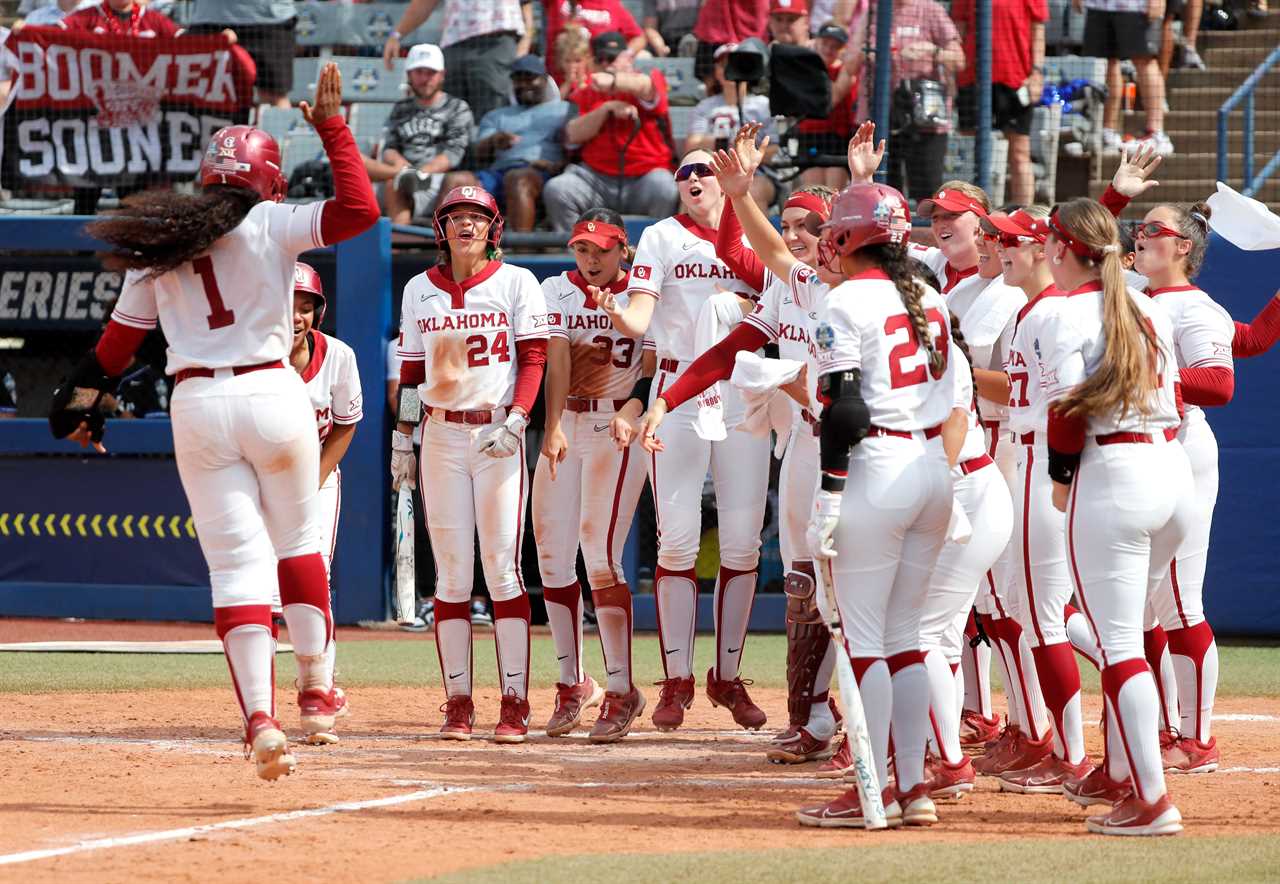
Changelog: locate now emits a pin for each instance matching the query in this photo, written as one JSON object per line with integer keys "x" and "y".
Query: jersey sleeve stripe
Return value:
{"x": 316, "y": 215}
{"x": 134, "y": 321}
{"x": 347, "y": 419}
{"x": 555, "y": 332}
{"x": 755, "y": 320}
{"x": 650, "y": 292}
{"x": 1213, "y": 360}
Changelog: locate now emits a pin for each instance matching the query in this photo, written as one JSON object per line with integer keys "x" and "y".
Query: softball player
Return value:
{"x": 585, "y": 489}
{"x": 328, "y": 368}
{"x": 888, "y": 375}
{"x": 1107, "y": 365}
{"x": 1171, "y": 243}
{"x": 783, "y": 268}
{"x": 216, "y": 272}
{"x": 473, "y": 335}
{"x": 682, "y": 294}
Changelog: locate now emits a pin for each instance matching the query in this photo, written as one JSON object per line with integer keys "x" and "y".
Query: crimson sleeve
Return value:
{"x": 414, "y": 372}
{"x": 744, "y": 262}
{"x": 353, "y": 209}
{"x": 1066, "y": 434}
{"x": 714, "y": 365}
{"x": 116, "y": 347}
{"x": 531, "y": 357}
{"x": 1257, "y": 337}
{"x": 1208, "y": 385}
{"x": 1113, "y": 201}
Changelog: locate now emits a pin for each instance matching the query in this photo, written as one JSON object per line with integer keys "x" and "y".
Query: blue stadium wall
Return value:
{"x": 111, "y": 537}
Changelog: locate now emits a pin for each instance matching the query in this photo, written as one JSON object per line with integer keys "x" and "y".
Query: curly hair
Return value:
{"x": 160, "y": 230}
{"x": 893, "y": 259}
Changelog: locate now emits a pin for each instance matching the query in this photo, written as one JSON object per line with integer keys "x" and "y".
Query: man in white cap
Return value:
{"x": 424, "y": 142}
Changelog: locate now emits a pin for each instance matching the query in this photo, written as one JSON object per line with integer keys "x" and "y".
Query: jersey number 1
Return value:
{"x": 911, "y": 347}
{"x": 221, "y": 317}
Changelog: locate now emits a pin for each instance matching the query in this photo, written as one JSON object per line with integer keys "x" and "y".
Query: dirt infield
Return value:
{"x": 109, "y": 777}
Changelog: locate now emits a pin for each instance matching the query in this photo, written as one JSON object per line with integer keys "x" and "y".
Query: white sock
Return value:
{"x": 250, "y": 651}
{"x": 677, "y": 595}
{"x": 942, "y": 706}
{"x": 735, "y": 593}
{"x": 911, "y": 723}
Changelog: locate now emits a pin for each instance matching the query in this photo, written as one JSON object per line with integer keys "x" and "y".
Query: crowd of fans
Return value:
{"x": 557, "y": 122}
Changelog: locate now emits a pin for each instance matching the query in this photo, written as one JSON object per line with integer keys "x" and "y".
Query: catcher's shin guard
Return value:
{"x": 807, "y": 642}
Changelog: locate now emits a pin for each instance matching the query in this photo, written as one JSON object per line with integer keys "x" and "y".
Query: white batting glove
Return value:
{"x": 404, "y": 465}
{"x": 504, "y": 441}
{"x": 822, "y": 525}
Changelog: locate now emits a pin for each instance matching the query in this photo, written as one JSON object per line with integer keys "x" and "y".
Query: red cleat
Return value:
{"x": 845, "y": 812}
{"x": 1027, "y": 753}
{"x": 513, "y": 719}
{"x": 976, "y": 731}
{"x": 837, "y": 765}
{"x": 317, "y": 711}
{"x": 796, "y": 746}
{"x": 1045, "y": 777}
{"x": 1134, "y": 817}
{"x": 266, "y": 744}
{"x": 916, "y": 806}
{"x": 732, "y": 694}
{"x": 675, "y": 697}
{"x": 572, "y": 700}
{"x": 459, "y": 718}
{"x": 949, "y": 782}
{"x": 1190, "y": 756}
{"x": 1096, "y": 788}
{"x": 617, "y": 714}
{"x": 994, "y": 757}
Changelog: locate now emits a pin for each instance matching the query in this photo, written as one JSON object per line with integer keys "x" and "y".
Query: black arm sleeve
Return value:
{"x": 845, "y": 422}
{"x": 76, "y": 399}
{"x": 641, "y": 390}
{"x": 1062, "y": 466}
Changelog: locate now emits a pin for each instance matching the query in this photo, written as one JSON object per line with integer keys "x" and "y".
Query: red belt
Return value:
{"x": 671, "y": 365}
{"x": 1135, "y": 438}
{"x": 578, "y": 406}
{"x": 929, "y": 432}
{"x": 977, "y": 463}
{"x": 1027, "y": 439}
{"x": 188, "y": 373}
{"x": 462, "y": 417}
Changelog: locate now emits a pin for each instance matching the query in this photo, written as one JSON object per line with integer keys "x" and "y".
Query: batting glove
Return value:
{"x": 504, "y": 441}
{"x": 404, "y": 465}
{"x": 822, "y": 525}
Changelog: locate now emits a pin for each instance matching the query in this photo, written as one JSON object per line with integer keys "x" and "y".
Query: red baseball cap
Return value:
{"x": 950, "y": 201}
{"x": 1017, "y": 224}
{"x": 598, "y": 233}
{"x": 788, "y": 7}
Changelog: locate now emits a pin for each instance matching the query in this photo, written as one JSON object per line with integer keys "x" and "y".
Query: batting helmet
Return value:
{"x": 305, "y": 279}
{"x": 475, "y": 197}
{"x": 242, "y": 156}
{"x": 866, "y": 215}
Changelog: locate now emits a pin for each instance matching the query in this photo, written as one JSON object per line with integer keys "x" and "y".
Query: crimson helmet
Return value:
{"x": 475, "y": 197}
{"x": 243, "y": 156}
{"x": 305, "y": 279}
{"x": 866, "y": 215}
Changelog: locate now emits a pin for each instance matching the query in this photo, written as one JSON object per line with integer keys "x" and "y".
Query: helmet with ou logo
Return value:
{"x": 242, "y": 156}
{"x": 866, "y": 215}
{"x": 305, "y": 279}
{"x": 473, "y": 197}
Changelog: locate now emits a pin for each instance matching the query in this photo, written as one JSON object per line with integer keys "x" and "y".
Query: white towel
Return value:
{"x": 768, "y": 408}
{"x": 1244, "y": 222}
{"x": 718, "y": 315}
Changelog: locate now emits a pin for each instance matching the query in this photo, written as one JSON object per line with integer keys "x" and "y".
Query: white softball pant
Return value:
{"x": 1039, "y": 551}
{"x": 464, "y": 492}
{"x": 997, "y": 596}
{"x": 248, "y": 457}
{"x": 329, "y": 503}
{"x": 797, "y": 482}
{"x": 1179, "y": 600}
{"x": 591, "y": 501}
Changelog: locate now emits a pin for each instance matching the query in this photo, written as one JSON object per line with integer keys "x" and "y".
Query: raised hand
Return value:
{"x": 750, "y": 154}
{"x": 734, "y": 182}
{"x": 605, "y": 299}
{"x": 864, "y": 154}
{"x": 1136, "y": 168}
{"x": 649, "y": 426}
{"x": 328, "y": 96}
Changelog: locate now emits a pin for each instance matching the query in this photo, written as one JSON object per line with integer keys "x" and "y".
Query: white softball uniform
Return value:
{"x": 593, "y": 497}
{"x": 333, "y": 386}
{"x": 244, "y": 433}
{"x": 467, "y": 337}
{"x": 1202, "y": 335}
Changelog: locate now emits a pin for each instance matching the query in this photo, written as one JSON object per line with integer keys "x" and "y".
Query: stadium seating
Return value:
{"x": 683, "y": 87}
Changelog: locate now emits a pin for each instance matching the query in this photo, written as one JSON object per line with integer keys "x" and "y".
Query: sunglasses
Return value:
{"x": 1006, "y": 240}
{"x": 1155, "y": 230}
{"x": 702, "y": 170}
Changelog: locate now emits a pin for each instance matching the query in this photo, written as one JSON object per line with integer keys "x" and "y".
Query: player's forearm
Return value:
{"x": 632, "y": 83}
{"x": 1258, "y": 336}
{"x": 745, "y": 263}
{"x": 714, "y": 365}
{"x": 559, "y": 368}
{"x": 766, "y": 242}
{"x": 634, "y": 320}
{"x": 993, "y": 386}
{"x": 1037, "y": 49}
{"x": 353, "y": 208}
{"x": 1210, "y": 386}
{"x": 417, "y": 12}
{"x": 954, "y": 429}
{"x": 582, "y": 129}
{"x": 116, "y": 347}
{"x": 334, "y": 448}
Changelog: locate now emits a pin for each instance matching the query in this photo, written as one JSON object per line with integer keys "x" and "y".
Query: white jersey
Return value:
{"x": 676, "y": 263}
{"x": 603, "y": 362}
{"x": 1028, "y": 404}
{"x": 333, "y": 383}
{"x": 467, "y": 334}
{"x": 931, "y": 257}
{"x": 862, "y": 324}
{"x": 975, "y": 440}
{"x": 780, "y": 316}
{"x": 232, "y": 305}
{"x": 987, "y": 326}
{"x": 1073, "y": 347}
{"x": 1202, "y": 330}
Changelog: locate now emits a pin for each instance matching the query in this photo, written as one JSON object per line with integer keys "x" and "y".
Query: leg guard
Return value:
{"x": 807, "y": 642}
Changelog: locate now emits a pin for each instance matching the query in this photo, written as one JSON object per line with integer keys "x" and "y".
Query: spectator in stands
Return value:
{"x": 593, "y": 16}
{"x": 1017, "y": 75}
{"x": 1128, "y": 29}
{"x": 50, "y": 14}
{"x": 926, "y": 53}
{"x": 726, "y": 21}
{"x": 716, "y": 120}
{"x": 8, "y": 389}
{"x": 789, "y": 22}
{"x": 8, "y": 67}
{"x": 572, "y": 57}
{"x": 424, "y": 142}
{"x": 522, "y": 143}
{"x": 123, "y": 18}
{"x": 265, "y": 28}
{"x": 830, "y": 135}
{"x": 668, "y": 23}
{"x": 625, "y": 134}
{"x": 1190, "y": 11}
{"x": 481, "y": 39}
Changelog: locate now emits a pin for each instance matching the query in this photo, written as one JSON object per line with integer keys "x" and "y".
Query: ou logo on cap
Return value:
{"x": 229, "y": 141}
{"x": 298, "y": 275}
{"x": 468, "y": 192}
{"x": 591, "y": 226}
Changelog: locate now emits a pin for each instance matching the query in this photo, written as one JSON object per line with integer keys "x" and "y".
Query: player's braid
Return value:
{"x": 894, "y": 261}
{"x": 958, "y": 337}
{"x": 159, "y": 230}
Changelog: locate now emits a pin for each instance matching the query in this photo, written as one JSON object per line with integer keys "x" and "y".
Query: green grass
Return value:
{"x": 877, "y": 858}
{"x": 1246, "y": 670}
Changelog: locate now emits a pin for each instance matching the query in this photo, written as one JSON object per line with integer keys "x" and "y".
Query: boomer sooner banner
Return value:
{"x": 94, "y": 109}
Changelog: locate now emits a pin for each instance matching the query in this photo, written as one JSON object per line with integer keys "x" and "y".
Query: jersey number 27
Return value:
{"x": 900, "y": 377}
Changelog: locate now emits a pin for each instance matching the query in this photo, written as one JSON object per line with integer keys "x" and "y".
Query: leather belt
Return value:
{"x": 1135, "y": 438}
{"x": 929, "y": 432}
{"x": 188, "y": 373}
{"x": 475, "y": 418}
{"x": 669, "y": 365}
{"x": 579, "y": 406}
{"x": 975, "y": 464}
{"x": 1027, "y": 439}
